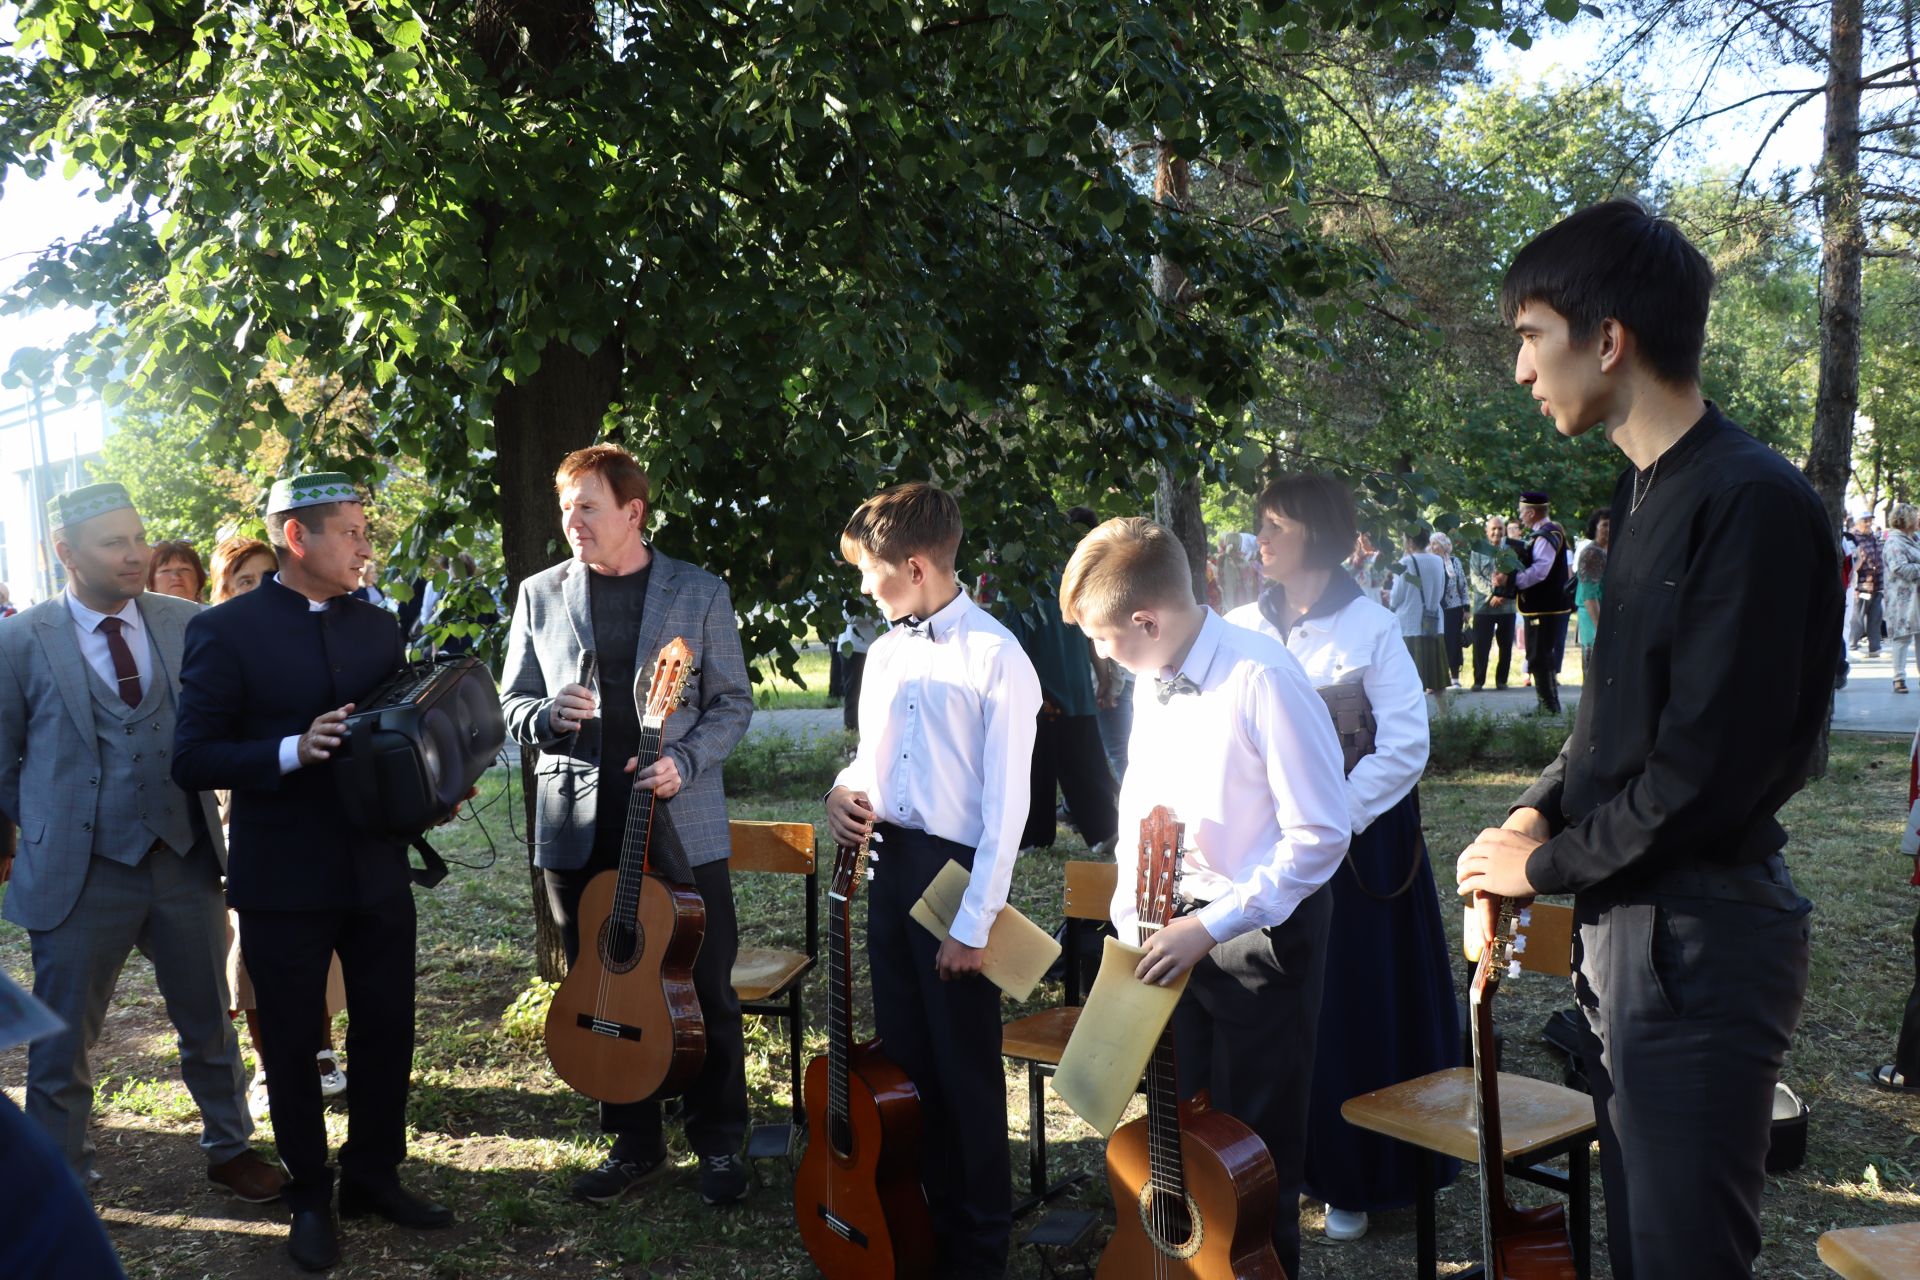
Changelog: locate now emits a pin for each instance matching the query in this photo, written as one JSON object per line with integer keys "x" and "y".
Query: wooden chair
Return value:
{"x": 1038, "y": 1039}
{"x": 1873, "y": 1253}
{"x": 1539, "y": 1121}
{"x": 769, "y": 980}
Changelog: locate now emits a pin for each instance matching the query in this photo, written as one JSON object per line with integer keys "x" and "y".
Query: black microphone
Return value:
{"x": 589, "y": 668}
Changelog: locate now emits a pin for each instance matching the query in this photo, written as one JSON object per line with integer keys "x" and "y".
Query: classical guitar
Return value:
{"x": 1194, "y": 1189}
{"x": 857, "y": 1197}
{"x": 625, "y": 1024}
{"x": 1517, "y": 1244}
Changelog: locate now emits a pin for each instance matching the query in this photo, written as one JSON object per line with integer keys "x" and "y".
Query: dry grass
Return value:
{"x": 498, "y": 1137}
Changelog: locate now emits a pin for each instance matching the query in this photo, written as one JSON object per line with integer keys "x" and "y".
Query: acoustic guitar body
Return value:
{"x": 625, "y": 1025}
{"x": 1533, "y": 1245}
{"x": 857, "y": 1197}
{"x": 1226, "y": 1228}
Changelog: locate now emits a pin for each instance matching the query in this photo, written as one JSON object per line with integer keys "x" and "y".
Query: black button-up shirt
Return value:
{"x": 1712, "y": 672}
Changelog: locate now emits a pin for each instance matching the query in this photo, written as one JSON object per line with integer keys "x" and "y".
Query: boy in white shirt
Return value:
{"x": 1228, "y": 733}
{"x": 948, "y": 705}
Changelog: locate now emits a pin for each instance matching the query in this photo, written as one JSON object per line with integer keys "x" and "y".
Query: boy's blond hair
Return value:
{"x": 912, "y": 519}
{"x": 1128, "y": 563}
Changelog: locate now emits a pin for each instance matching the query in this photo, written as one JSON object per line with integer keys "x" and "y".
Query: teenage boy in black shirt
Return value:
{"x": 1703, "y": 712}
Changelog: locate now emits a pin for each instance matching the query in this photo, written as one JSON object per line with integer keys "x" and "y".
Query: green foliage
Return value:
{"x": 1463, "y": 740}
{"x": 789, "y": 252}
{"x": 526, "y": 1018}
{"x": 777, "y": 766}
{"x": 1887, "y": 448}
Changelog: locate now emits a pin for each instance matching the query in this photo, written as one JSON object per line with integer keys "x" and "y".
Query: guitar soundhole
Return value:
{"x": 841, "y": 1132}
{"x": 621, "y": 942}
{"x": 1172, "y": 1222}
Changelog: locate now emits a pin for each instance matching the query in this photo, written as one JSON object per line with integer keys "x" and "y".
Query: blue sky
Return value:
{"x": 34, "y": 214}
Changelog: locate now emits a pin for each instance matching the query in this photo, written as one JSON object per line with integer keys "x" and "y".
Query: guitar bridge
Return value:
{"x": 841, "y": 1227}
{"x": 606, "y": 1027}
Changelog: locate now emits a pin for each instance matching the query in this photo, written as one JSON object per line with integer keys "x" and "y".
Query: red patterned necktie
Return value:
{"x": 129, "y": 675}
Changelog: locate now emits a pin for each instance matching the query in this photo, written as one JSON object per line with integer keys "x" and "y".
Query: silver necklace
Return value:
{"x": 1639, "y": 494}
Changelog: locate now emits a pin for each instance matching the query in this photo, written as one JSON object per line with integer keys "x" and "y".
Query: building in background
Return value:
{"x": 45, "y": 447}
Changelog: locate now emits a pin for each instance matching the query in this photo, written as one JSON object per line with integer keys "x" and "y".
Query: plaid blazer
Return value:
{"x": 551, "y": 626}
{"x": 50, "y": 754}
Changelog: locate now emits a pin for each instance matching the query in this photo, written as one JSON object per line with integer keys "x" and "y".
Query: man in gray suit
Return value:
{"x": 112, "y": 855}
{"x": 622, "y": 600}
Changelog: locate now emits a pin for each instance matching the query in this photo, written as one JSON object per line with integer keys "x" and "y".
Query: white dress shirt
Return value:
{"x": 1251, "y": 765}
{"x": 1359, "y": 642}
{"x": 93, "y": 641}
{"x": 947, "y": 724}
{"x": 290, "y": 745}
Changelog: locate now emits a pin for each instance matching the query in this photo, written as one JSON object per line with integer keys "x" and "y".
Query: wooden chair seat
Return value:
{"x": 1436, "y": 1112}
{"x": 1874, "y": 1253}
{"x": 1040, "y": 1037}
{"x": 764, "y": 973}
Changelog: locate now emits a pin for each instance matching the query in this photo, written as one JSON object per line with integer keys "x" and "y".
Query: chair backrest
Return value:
{"x": 779, "y": 847}
{"x": 1089, "y": 893}
{"x": 1543, "y": 943}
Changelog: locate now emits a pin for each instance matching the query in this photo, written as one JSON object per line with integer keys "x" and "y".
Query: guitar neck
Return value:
{"x": 1165, "y": 1168}
{"x": 1494, "y": 1207}
{"x": 636, "y": 841}
{"x": 839, "y": 1008}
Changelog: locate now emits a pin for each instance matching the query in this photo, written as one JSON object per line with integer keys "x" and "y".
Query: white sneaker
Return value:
{"x": 1345, "y": 1224}
{"x": 333, "y": 1081}
{"x": 257, "y": 1098}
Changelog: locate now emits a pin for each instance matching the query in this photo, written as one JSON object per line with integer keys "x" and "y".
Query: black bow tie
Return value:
{"x": 915, "y": 626}
{"x": 1179, "y": 684}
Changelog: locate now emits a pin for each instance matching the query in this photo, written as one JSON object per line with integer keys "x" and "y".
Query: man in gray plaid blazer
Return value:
{"x": 112, "y": 855}
{"x": 624, "y": 601}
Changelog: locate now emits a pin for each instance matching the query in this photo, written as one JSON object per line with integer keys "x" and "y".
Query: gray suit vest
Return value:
{"x": 138, "y": 801}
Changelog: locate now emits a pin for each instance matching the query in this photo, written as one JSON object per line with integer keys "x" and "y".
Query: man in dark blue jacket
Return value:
{"x": 267, "y": 681}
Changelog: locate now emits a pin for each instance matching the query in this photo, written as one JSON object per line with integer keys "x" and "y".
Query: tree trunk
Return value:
{"x": 1842, "y": 243}
{"x": 1176, "y": 499}
{"x": 535, "y": 424}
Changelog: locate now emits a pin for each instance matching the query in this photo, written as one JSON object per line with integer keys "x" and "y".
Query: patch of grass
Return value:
{"x": 1463, "y": 740}
{"x": 496, "y": 1135}
{"x": 779, "y": 766}
{"x": 773, "y": 690}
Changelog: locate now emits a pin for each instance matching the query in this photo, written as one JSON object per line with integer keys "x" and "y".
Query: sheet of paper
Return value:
{"x": 1019, "y": 951}
{"x": 1115, "y": 1036}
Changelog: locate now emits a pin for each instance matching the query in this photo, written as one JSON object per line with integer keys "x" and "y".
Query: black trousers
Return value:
{"x": 1546, "y": 642}
{"x": 1068, "y": 753}
{"x": 288, "y": 954}
{"x": 1455, "y": 619}
{"x": 1246, "y": 1029}
{"x": 715, "y": 1111}
{"x": 1488, "y": 628}
{"x": 1690, "y": 1005}
{"x": 946, "y": 1037}
{"x": 1906, "y": 1055}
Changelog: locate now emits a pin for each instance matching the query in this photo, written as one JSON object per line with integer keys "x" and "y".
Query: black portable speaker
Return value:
{"x": 416, "y": 746}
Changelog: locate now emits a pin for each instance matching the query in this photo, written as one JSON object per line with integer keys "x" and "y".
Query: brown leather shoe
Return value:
{"x": 250, "y": 1177}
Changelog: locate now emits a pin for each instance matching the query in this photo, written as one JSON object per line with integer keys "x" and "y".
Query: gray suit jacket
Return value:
{"x": 49, "y": 751}
{"x": 551, "y": 625}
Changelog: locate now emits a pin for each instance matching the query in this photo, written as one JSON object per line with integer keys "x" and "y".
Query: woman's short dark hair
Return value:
{"x": 1323, "y": 505}
{"x": 1593, "y": 522}
{"x": 1615, "y": 260}
{"x": 1419, "y": 536}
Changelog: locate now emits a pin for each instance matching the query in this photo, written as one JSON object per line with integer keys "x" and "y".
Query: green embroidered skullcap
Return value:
{"x": 86, "y": 502}
{"x": 312, "y": 490}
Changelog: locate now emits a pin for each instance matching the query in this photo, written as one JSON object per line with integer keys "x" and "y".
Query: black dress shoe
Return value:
{"x": 393, "y": 1202}
{"x": 313, "y": 1242}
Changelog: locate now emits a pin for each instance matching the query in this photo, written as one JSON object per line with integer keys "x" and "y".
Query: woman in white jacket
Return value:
{"x": 1901, "y": 551}
{"x": 1388, "y": 1013}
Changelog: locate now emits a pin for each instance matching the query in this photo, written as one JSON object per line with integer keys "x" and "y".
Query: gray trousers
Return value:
{"x": 1691, "y": 1003}
{"x": 171, "y": 908}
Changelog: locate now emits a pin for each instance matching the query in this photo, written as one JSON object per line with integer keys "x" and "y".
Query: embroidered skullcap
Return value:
{"x": 86, "y": 502}
{"x": 312, "y": 490}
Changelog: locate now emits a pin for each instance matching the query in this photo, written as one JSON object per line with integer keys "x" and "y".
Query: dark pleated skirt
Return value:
{"x": 1388, "y": 1014}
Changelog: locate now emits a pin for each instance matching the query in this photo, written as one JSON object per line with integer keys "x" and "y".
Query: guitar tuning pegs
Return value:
{"x": 869, "y": 873}
{"x": 1526, "y": 916}
{"x": 1520, "y": 943}
{"x": 1513, "y": 968}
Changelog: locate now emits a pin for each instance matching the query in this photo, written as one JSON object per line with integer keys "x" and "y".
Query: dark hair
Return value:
{"x": 313, "y": 518}
{"x": 1419, "y": 536}
{"x": 1593, "y": 521}
{"x": 1615, "y": 260}
{"x": 165, "y": 553}
{"x": 1086, "y": 517}
{"x": 1323, "y": 505}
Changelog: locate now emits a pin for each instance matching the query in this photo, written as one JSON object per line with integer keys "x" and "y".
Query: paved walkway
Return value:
{"x": 1867, "y": 705}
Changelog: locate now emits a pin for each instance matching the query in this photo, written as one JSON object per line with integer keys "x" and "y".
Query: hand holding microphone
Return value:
{"x": 575, "y": 703}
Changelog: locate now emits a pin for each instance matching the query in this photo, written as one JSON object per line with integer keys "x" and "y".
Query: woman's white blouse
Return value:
{"x": 1361, "y": 642}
